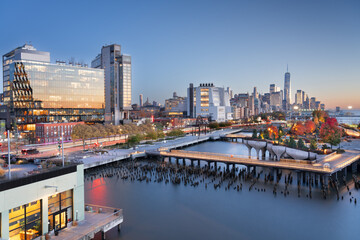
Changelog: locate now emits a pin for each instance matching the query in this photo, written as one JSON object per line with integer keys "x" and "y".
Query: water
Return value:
{"x": 166, "y": 211}
{"x": 353, "y": 118}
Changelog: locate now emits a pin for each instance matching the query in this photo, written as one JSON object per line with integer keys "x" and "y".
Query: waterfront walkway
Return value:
{"x": 154, "y": 149}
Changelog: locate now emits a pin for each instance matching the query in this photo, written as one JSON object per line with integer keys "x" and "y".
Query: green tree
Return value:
{"x": 214, "y": 125}
{"x": 313, "y": 144}
{"x": 266, "y": 134}
{"x": 292, "y": 143}
{"x": 301, "y": 144}
{"x": 254, "y": 134}
{"x": 134, "y": 139}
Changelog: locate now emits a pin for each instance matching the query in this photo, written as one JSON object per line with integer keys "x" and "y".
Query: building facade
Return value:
{"x": 210, "y": 102}
{"x": 287, "y": 90}
{"x": 117, "y": 69}
{"x": 37, "y": 204}
{"x": 175, "y": 106}
{"x": 36, "y": 90}
{"x": 52, "y": 132}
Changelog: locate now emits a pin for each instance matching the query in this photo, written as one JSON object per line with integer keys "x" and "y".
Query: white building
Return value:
{"x": 210, "y": 102}
{"x": 37, "y": 204}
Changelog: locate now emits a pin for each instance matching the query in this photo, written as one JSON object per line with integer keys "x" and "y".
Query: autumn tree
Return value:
{"x": 298, "y": 128}
{"x": 81, "y": 131}
{"x": 319, "y": 116}
{"x": 309, "y": 127}
{"x": 273, "y": 132}
{"x": 330, "y": 132}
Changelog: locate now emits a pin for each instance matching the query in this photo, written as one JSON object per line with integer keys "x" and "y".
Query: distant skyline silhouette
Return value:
{"x": 237, "y": 44}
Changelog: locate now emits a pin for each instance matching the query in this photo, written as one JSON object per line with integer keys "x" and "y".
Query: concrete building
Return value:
{"x": 36, "y": 90}
{"x": 37, "y": 204}
{"x": 209, "y": 101}
{"x": 117, "y": 69}
{"x": 175, "y": 106}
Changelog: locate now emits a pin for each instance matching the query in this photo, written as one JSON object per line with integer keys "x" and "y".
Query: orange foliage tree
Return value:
{"x": 273, "y": 132}
{"x": 298, "y": 128}
{"x": 309, "y": 127}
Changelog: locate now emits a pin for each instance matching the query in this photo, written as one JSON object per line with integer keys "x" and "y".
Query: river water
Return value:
{"x": 166, "y": 211}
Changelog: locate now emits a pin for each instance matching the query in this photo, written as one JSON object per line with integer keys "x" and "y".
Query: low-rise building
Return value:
{"x": 51, "y": 132}
{"x": 37, "y": 204}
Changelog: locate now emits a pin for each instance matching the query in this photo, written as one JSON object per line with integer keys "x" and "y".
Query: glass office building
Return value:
{"x": 39, "y": 91}
{"x": 117, "y": 69}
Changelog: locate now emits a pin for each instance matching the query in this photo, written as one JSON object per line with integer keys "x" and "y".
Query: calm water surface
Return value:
{"x": 166, "y": 211}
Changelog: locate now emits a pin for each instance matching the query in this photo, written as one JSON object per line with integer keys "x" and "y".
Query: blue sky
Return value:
{"x": 240, "y": 44}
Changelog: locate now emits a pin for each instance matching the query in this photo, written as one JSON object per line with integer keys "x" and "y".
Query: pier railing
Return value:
{"x": 240, "y": 159}
{"x": 105, "y": 217}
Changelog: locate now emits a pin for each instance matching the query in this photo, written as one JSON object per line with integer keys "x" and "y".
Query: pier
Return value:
{"x": 97, "y": 219}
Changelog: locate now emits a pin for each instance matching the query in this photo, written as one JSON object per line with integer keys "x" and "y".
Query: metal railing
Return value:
{"x": 240, "y": 159}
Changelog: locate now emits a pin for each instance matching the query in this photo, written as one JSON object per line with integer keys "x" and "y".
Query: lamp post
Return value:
{"x": 62, "y": 146}
{"x": 9, "y": 163}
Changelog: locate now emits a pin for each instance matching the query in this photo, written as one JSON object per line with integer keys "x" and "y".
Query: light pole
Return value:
{"x": 62, "y": 146}
{"x": 9, "y": 163}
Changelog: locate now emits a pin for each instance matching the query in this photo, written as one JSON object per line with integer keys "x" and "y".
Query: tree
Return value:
{"x": 313, "y": 144}
{"x": 330, "y": 132}
{"x": 254, "y": 135}
{"x": 134, "y": 139}
{"x": 81, "y": 131}
{"x": 292, "y": 143}
{"x": 266, "y": 134}
{"x": 273, "y": 132}
{"x": 175, "y": 133}
{"x": 298, "y": 128}
{"x": 151, "y": 135}
{"x": 214, "y": 125}
{"x": 301, "y": 144}
{"x": 309, "y": 127}
{"x": 319, "y": 116}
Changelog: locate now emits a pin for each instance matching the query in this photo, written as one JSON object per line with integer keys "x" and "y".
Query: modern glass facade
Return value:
{"x": 60, "y": 210}
{"x": 45, "y": 92}
{"x": 125, "y": 83}
{"x": 25, "y": 221}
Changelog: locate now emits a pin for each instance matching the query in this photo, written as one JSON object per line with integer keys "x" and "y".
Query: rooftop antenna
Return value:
{"x": 287, "y": 67}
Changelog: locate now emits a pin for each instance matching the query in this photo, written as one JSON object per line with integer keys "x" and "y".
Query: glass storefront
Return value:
{"x": 60, "y": 210}
{"x": 25, "y": 221}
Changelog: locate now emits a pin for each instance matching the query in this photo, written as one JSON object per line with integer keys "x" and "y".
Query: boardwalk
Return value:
{"x": 333, "y": 163}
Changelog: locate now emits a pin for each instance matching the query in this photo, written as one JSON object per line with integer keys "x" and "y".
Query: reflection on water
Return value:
{"x": 166, "y": 211}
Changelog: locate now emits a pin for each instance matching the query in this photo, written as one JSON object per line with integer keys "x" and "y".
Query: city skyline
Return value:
{"x": 252, "y": 44}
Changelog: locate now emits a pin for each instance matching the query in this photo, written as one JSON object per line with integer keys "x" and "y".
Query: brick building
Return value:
{"x": 51, "y": 132}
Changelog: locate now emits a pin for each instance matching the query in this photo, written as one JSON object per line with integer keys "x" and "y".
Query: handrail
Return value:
{"x": 234, "y": 158}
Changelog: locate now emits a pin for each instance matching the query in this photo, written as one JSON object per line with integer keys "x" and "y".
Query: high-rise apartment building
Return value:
{"x": 117, "y": 69}
{"x": 299, "y": 97}
{"x": 287, "y": 90}
{"x": 37, "y": 91}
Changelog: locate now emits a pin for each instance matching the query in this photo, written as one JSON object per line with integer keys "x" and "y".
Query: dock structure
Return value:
{"x": 325, "y": 167}
{"x": 97, "y": 219}
{"x": 143, "y": 151}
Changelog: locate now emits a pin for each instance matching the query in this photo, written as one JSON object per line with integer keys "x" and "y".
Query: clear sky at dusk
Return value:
{"x": 240, "y": 44}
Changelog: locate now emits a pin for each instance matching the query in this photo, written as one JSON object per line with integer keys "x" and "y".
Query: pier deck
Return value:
{"x": 94, "y": 222}
{"x": 337, "y": 162}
